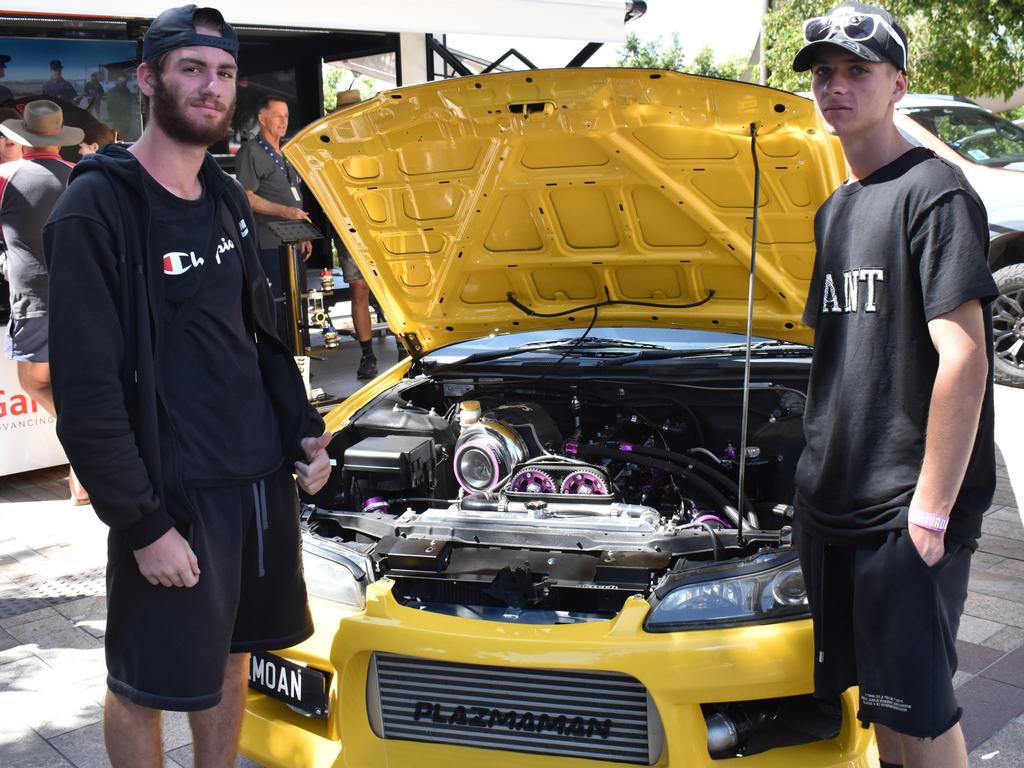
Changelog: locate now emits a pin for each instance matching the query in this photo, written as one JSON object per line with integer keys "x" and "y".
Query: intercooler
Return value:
{"x": 595, "y": 715}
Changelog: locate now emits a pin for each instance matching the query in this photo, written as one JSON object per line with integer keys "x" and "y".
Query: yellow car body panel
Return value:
{"x": 562, "y": 188}
{"x": 680, "y": 670}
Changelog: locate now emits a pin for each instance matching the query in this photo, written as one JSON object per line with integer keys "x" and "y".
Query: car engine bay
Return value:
{"x": 557, "y": 499}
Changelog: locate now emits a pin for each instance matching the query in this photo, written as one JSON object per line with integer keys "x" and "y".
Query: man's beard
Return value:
{"x": 172, "y": 117}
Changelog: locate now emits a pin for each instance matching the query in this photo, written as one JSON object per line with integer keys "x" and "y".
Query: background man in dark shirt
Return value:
{"x": 272, "y": 185}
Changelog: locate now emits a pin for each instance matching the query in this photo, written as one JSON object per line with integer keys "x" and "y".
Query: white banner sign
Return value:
{"x": 28, "y": 438}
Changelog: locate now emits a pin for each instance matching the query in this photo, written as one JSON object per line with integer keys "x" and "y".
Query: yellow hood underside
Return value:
{"x": 566, "y": 188}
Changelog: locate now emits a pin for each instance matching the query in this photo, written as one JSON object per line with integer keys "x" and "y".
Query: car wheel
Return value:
{"x": 1008, "y": 326}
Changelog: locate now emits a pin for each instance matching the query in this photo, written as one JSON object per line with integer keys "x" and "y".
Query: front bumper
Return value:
{"x": 680, "y": 670}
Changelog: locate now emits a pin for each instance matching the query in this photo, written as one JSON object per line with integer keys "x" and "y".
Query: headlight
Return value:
{"x": 331, "y": 575}
{"x": 766, "y": 589}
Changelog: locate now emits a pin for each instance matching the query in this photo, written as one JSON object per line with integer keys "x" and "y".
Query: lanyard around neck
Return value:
{"x": 279, "y": 160}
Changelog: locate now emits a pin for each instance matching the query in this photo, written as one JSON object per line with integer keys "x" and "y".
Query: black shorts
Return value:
{"x": 886, "y": 621}
{"x": 166, "y": 647}
{"x": 28, "y": 340}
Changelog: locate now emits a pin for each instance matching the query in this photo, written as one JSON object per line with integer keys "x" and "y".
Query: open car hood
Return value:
{"x": 472, "y": 203}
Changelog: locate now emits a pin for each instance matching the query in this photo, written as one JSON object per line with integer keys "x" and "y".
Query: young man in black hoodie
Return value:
{"x": 183, "y": 413}
{"x": 899, "y": 465}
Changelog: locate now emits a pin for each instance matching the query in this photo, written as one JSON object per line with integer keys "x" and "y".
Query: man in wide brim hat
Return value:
{"x": 42, "y": 125}
{"x": 347, "y": 98}
{"x": 29, "y": 188}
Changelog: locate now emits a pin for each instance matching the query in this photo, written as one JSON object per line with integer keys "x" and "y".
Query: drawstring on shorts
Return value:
{"x": 259, "y": 498}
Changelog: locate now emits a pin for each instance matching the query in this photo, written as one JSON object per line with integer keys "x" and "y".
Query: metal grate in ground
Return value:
{"x": 37, "y": 592}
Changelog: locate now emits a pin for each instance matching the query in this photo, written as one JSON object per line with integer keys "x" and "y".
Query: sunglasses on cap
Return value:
{"x": 858, "y": 27}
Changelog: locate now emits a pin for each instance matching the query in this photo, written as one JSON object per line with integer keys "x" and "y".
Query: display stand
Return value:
{"x": 292, "y": 233}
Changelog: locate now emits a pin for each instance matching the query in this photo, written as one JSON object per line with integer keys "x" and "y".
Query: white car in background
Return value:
{"x": 990, "y": 151}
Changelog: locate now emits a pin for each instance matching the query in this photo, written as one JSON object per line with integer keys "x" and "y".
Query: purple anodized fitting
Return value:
{"x": 711, "y": 519}
{"x": 375, "y": 504}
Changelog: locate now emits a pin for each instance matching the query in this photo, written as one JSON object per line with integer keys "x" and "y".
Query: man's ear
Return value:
{"x": 146, "y": 78}
{"x": 899, "y": 86}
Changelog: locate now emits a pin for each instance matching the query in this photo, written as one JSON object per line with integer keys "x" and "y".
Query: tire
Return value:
{"x": 1008, "y": 326}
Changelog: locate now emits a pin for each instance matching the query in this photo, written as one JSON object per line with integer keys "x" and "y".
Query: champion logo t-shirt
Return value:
{"x": 224, "y": 427}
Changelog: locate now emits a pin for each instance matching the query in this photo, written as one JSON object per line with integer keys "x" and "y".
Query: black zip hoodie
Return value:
{"x": 105, "y": 338}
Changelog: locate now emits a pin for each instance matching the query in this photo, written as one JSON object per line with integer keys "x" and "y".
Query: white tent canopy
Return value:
{"x": 590, "y": 20}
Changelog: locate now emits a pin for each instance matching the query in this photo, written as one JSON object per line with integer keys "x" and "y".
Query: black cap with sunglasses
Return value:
{"x": 866, "y": 31}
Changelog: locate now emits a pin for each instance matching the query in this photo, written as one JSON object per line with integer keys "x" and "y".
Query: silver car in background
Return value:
{"x": 990, "y": 151}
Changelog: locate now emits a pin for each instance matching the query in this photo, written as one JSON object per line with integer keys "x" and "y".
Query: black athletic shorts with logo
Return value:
{"x": 886, "y": 621}
{"x": 167, "y": 647}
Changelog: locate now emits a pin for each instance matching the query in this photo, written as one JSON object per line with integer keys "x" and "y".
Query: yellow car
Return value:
{"x": 558, "y": 535}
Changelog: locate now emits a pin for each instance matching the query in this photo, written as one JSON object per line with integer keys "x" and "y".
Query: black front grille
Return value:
{"x": 596, "y": 715}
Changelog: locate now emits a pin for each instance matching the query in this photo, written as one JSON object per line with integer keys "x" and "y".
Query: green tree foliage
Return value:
{"x": 963, "y": 47}
{"x": 729, "y": 69}
{"x": 1017, "y": 113}
{"x": 648, "y": 54}
{"x": 652, "y": 54}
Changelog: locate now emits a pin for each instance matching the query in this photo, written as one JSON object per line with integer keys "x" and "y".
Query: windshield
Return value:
{"x": 973, "y": 133}
{"x": 623, "y": 340}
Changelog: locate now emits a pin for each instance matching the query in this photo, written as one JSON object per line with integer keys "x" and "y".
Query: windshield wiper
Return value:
{"x": 558, "y": 345}
{"x": 758, "y": 349}
{"x": 596, "y": 342}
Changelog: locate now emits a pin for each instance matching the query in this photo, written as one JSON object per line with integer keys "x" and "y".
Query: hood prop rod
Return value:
{"x": 750, "y": 332}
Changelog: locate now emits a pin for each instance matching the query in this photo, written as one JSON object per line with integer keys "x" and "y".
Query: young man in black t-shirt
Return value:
{"x": 899, "y": 465}
{"x": 182, "y": 411}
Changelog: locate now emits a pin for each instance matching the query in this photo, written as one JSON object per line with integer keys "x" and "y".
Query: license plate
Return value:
{"x": 303, "y": 688}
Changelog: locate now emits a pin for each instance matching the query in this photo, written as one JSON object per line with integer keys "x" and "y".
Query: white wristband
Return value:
{"x": 927, "y": 520}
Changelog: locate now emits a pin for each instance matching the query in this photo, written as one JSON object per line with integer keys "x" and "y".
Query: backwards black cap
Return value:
{"x": 175, "y": 28}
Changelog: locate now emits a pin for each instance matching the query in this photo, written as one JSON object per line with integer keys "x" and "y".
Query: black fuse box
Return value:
{"x": 392, "y": 463}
